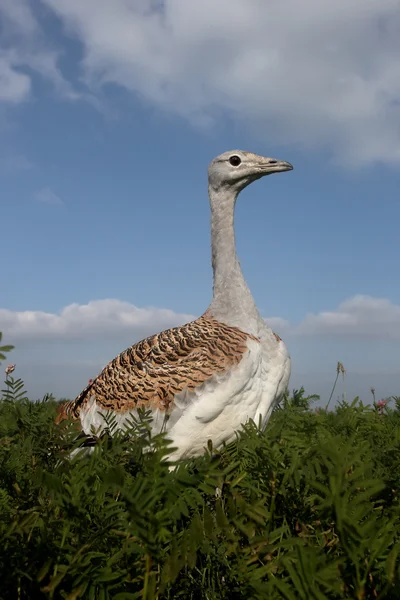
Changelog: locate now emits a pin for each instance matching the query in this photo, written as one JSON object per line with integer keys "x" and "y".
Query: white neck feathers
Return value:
{"x": 232, "y": 301}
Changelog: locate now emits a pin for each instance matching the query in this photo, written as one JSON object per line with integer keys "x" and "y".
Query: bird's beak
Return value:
{"x": 272, "y": 165}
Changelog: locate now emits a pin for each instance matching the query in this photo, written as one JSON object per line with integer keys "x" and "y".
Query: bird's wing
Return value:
{"x": 154, "y": 371}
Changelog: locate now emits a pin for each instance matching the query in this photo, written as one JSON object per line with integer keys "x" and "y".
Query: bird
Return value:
{"x": 203, "y": 380}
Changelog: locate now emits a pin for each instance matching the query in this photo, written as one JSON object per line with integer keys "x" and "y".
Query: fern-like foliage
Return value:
{"x": 14, "y": 390}
{"x": 308, "y": 508}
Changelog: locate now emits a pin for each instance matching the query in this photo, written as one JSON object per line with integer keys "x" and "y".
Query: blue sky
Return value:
{"x": 109, "y": 115}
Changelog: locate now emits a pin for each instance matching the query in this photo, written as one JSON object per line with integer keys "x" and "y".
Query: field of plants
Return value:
{"x": 307, "y": 509}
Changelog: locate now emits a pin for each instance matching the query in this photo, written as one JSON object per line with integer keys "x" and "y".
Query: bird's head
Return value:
{"x": 236, "y": 169}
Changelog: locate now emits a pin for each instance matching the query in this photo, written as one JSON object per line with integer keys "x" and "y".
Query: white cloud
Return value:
{"x": 279, "y": 325}
{"x": 14, "y": 86}
{"x": 85, "y": 321}
{"x": 359, "y": 316}
{"x": 58, "y": 352}
{"x": 18, "y": 12}
{"x": 47, "y": 196}
{"x": 312, "y": 72}
{"x": 23, "y": 49}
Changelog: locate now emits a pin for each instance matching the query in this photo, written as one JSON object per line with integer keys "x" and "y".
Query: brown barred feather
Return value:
{"x": 153, "y": 371}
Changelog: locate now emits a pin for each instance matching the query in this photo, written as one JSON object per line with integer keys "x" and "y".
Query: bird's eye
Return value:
{"x": 235, "y": 161}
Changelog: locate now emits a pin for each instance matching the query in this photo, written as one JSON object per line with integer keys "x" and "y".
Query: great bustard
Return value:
{"x": 204, "y": 379}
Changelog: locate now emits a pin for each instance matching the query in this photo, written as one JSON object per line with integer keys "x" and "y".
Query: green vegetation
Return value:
{"x": 308, "y": 509}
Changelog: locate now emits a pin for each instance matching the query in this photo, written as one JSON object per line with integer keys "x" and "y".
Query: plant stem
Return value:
{"x": 333, "y": 389}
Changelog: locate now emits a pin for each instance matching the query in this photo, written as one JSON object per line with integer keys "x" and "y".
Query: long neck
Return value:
{"x": 232, "y": 301}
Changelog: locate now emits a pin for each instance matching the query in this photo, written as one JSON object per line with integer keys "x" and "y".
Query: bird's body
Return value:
{"x": 202, "y": 380}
